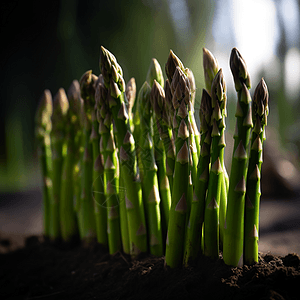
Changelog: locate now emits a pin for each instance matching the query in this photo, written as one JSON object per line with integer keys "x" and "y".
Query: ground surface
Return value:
{"x": 43, "y": 271}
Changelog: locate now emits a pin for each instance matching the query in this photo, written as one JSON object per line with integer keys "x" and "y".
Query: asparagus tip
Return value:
{"x": 45, "y": 108}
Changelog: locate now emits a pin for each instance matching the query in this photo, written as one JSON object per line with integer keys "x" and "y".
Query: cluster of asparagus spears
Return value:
{"x": 139, "y": 176}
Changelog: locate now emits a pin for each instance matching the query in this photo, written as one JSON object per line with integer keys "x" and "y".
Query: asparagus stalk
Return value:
{"x": 211, "y": 68}
{"x": 150, "y": 180}
{"x": 194, "y": 228}
{"x": 100, "y": 201}
{"x": 234, "y": 223}
{"x": 114, "y": 82}
{"x": 157, "y": 97}
{"x": 260, "y": 112}
{"x": 99, "y": 183}
{"x": 58, "y": 133}
{"x": 130, "y": 93}
{"x": 112, "y": 198}
{"x": 111, "y": 169}
{"x": 177, "y": 217}
{"x": 42, "y": 132}
{"x": 68, "y": 218}
{"x": 211, "y": 214}
{"x": 86, "y": 216}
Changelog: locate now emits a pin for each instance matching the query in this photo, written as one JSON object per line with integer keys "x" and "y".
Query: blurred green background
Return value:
{"x": 47, "y": 45}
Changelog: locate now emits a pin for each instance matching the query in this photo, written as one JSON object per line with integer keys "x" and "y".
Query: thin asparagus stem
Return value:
{"x": 114, "y": 82}
{"x": 86, "y": 216}
{"x": 68, "y": 218}
{"x": 234, "y": 223}
{"x": 177, "y": 217}
{"x": 211, "y": 68}
{"x": 111, "y": 168}
{"x": 194, "y": 228}
{"x": 100, "y": 201}
{"x": 58, "y": 132}
{"x": 43, "y": 126}
{"x": 211, "y": 214}
{"x": 150, "y": 180}
{"x": 260, "y": 112}
{"x": 157, "y": 97}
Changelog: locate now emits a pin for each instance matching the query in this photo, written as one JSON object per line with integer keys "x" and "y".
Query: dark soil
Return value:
{"x": 44, "y": 271}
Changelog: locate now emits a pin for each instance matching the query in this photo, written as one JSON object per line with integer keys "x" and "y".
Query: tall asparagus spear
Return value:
{"x": 43, "y": 127}
{"x": 68, "y": 218}
{"x": 150, "y": 180}
{"x": 211, "y": 214}
{"x": 211, "y": 68}
{"x": 114, "y": 82}
{"x": 111, "y": 172}
{"x": 194, "y": 228}
{"x": 260, "y": 112}
{"x": 58, "y": 132}
{"x": 177, "y": 217}
{"x": 99, "y": 183}
{"x": 234, "y": 224}
{"x": 86, "y": 216}
{"x": 162, "y": 121}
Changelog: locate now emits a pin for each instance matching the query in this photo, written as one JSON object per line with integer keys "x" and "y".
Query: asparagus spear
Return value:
{"x": 157, "y": 97}
{"x": 234, "y": 223}
{"x": 130, "y": 93}
{"x": 58, "y": 133}
{"x": 211, "y": 68}
{"x": 86, "y": 216}
{"x": 114, "y": 82}
{"x": 194, "y": 228}
{"x": 150, "y": 180}
{"x": 111, "y": 170}
{"x": 99, "y": 182}
{"x": 260, "y": 112}
{"x": 166, "y": 115}
{"x": 171, "y": 65}
{"x": 68, "y": 218}
{"x": 211, "y": 214}
{"x": 177, "y": 217}
{"x": 43, "y": 127}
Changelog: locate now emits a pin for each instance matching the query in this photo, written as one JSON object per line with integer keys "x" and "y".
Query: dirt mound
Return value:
{"x": 44, "y": 271}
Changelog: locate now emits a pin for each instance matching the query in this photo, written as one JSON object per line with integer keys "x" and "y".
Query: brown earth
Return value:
{"x": 44, "y": 271}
